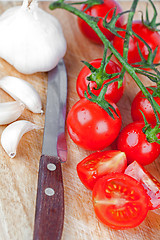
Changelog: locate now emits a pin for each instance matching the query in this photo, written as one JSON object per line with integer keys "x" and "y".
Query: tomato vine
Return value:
{"x": 155, "y": 77}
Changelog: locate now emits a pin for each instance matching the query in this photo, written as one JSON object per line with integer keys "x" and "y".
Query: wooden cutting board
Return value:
{"x": 18, "y": 176}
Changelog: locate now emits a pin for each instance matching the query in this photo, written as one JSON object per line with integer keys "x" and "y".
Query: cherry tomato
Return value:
{"x": 91, "y": 127}
{"x": 113, "y": 92}
{"x": 134, "y": 143}
{"x": 100, "y": 10}
{"x": 99, "y": 164}
{"x": 150, "y": 184}
{"x": 120, "y": 201}
{"x": 150, "y": 37}
{"x": 141, "y": 103}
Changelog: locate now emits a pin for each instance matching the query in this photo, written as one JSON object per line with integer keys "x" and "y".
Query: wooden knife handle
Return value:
{"x": 49, "y": 216}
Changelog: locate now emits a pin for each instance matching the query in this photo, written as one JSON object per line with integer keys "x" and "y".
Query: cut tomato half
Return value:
{"x": 151, "y": 185}
{"x": 120, "y": 201}
{"x": 99, "y": 164}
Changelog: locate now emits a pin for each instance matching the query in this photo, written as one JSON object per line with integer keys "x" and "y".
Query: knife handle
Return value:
{"x": 49, "y": 216}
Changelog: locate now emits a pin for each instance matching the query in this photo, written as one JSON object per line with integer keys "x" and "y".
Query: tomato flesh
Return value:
{"x": 100, "y": 10}
{"x": 150, "y": 184}
{"x": 120, "y": 201}
{"x": 99, "y": 164}
{"x": 113, "y": 92}
{"x": 91, "y": 127}
{"x": 134, "y": 143}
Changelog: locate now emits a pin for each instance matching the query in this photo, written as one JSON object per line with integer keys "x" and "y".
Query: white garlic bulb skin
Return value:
{"x": 31, "y": 39}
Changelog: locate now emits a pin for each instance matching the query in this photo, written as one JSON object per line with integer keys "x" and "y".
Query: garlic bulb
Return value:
{"x": 22, "y": 90}
{"x": 31, "y": 39}
{"x": 10, "y": 111}
{"x": 13, "y": 133}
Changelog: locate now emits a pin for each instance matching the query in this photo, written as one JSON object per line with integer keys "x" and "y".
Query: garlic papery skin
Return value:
{"x": 31, "y": 39}
{"x": 13, "y": 133}
{"x": 10, "y": 111}
{"x": 22, "y": 90}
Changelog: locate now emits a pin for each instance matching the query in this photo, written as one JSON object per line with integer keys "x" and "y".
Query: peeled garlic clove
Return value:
{"x": 22, "y": 90}
{"x": 31, "y": 39}
{"x": 10, "y": 111}
{"x": 13, "y": 133}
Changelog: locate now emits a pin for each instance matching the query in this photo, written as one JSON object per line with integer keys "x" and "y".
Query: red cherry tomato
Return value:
{"x": 120, "y": 201}
{"x": 150, "y": 184}
{"x": 91, "y": 127}
{"x": 100, "y": 10}
{"x": 99, "y": 164}
{"x": 150, "y": 37}
{"x": 134, "y": 143}
{"x": 141, "y": 103}
{"x": 113, "y": 92}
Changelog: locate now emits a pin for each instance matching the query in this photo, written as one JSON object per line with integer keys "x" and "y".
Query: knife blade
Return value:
{"x": 49, "y": 215}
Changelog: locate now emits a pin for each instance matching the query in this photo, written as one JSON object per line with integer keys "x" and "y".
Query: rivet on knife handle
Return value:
{"x": 50, "y": 200}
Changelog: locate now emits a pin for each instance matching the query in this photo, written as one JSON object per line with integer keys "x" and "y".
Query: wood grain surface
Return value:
{"x": 18, "y": 176}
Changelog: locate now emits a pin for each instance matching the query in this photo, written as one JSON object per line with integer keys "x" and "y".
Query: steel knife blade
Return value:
{"x": 49, "y": 215}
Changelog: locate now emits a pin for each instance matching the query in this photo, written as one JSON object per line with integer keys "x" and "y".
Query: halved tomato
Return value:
{"x": 151, "y": 185}
{"x": 99, "y": 164}
{"x": 120, "y": 201}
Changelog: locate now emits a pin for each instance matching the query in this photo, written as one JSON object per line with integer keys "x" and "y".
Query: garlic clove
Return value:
{"x": 10, "y": 111}
{"x": 32, "y": 40}
{"x": 13, "y": 133}
{"x": 22, "y": 90}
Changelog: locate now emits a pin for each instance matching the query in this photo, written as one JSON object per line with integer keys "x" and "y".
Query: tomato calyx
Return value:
{"x": 111, "y": 25}
{"x": 151, "y": 24}
{"x": 100, "y": 100}
{"x": 156, "y": 91}
{"x": 146, "y": 63}
{"x": 151, "y": 132}
{"x": 99, "y": 75}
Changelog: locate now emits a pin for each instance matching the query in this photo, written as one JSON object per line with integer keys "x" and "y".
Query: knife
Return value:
{"x": 49, "y": 215}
